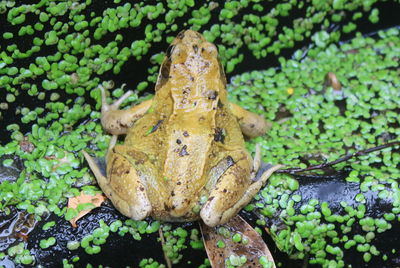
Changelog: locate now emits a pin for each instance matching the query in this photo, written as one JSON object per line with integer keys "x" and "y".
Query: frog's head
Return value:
{"x": 189, "y": 43}
{"x": 190, "y": 57}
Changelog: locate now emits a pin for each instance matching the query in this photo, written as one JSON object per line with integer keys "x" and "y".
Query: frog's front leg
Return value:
{"x": 234, "y": 189}
{"x": 122, "y": 185}
{"x": 251, "y": 124}
{"x": 116, "y": 121}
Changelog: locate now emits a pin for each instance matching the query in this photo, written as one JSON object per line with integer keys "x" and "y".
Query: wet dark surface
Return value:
{"x": 15, "y": 226}
{"x": 117, "y": 252}
{"x": 12, "y": 172}
{"x": 336, "y": 189}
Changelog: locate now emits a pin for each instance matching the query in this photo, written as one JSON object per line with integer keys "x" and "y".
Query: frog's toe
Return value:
{"x": 113, "y": 120}
{"x": 112, "y": 107}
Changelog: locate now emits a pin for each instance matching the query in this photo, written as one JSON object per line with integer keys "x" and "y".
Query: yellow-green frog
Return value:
{"x": 184, "y": 155}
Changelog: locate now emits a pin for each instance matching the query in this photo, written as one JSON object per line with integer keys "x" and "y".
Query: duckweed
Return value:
{"x": 220, "y": 244}
{"x": 46, "y": 243}
{"x": 370, "y": 176}
{"x": 174, "y": 242}
{"x": 73, "y": 245}
{"x": 48, "y": 225}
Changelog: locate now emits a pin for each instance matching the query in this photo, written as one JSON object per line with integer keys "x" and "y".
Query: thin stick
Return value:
{"x": 167, "y": 259}
{"x": 340, "y": 160}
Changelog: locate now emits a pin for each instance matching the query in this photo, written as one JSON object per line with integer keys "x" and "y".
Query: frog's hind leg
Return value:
{"x": 227, "y": 198}
{"x": 122, "y": 186}
{"x": 116, "y": 121}
{"x": 227, "y": 190}
{"x": 249, "y": 194}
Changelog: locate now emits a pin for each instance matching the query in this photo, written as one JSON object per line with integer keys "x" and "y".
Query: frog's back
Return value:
{"x": 184, "y": 131}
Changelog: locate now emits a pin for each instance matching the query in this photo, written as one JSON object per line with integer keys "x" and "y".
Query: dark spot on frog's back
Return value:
{"x": 183, "y": 151}
{"x": 195, "y": 48}
{"x": 212, "y": 94}
{"x": 219, "y": 135}
{"x": 230, "y": 161}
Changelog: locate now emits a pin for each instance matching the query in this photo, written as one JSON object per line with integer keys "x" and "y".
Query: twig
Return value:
{"x": 167, "y": 259}
{"x": 340, "y": 160}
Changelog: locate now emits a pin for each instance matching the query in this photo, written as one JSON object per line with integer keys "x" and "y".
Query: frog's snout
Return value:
{"x": 190, "y": 35}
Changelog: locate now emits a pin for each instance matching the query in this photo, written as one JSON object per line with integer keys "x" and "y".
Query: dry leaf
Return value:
{"x": 253, "y": 250}
{"x": 83, "y": 198}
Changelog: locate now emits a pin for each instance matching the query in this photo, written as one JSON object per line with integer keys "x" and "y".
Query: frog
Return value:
{"x": 184, "y": 156}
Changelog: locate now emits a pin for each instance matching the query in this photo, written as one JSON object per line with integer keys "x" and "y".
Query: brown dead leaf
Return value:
{"x": 83, "y": 198}
{"x": 253, "y": 250}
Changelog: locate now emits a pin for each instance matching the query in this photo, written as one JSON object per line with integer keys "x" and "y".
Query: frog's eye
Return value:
{"x": 170, "y": 50}
{"x": 178, "y": 53}
{"x": 165, "y": 68}
{"x": 181, "y": 34}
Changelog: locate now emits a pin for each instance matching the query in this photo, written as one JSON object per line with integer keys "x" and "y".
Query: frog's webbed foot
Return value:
{"x": 122, "y": 186}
